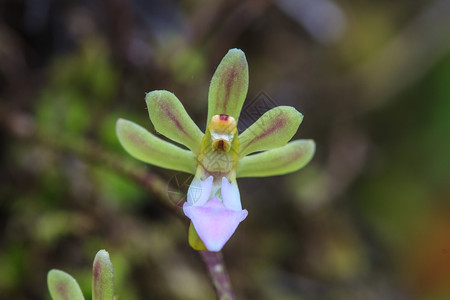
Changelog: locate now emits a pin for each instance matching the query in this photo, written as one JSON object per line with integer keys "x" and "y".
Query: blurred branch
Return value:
{"x": 22, "y": 126}
{"x": 218, "y": 273}
{"x": 408, "y": 56}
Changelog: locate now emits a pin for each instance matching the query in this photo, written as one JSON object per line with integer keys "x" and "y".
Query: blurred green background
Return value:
{"x": 368, "y": 218}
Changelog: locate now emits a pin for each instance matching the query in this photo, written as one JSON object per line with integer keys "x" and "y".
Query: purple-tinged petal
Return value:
{"x": 171, "y": 119}
{"x": 143, "y": 145}
{"x": 229, "y": 86}
{"x": 214, "y": 223}
{"x": 278, "y": 161}
{"x": 230, "y": 195}
{"x": 272, "y": 130}
{"x": 199, "y": 191}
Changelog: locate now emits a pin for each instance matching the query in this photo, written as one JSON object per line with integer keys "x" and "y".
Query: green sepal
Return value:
{"x": 171, "y": 119}
{"x": 102, "y": 277}
{"x": 143, "y": 145}
{"x": 272, "y": 130}
{"x": 194, "y": 240}
{"x": 62, "y": 286}
{"x": 279, "y": 161}
{"x": 229, "y": 86}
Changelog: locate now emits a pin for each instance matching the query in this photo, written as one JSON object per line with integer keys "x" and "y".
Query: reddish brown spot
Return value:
{"x": 174, "y": 119}
{"x": 288, "y": 160}
{"x": 229, "y": 80}
{"x": 223, "y": 117}
{"x": 62, "y": 290}
{"x": 220, "y": 145}
{"x": 97, "y": 270}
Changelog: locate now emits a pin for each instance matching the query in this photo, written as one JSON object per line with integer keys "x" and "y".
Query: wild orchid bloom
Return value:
{"x": 218, "y": 156}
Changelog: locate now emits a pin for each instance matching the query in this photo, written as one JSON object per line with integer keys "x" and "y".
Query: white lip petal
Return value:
{"x": 230, "y": 195}
{"x": 214, "y": 219}
{"x": 214, "y": 223}
{"x": 199, "y": 191}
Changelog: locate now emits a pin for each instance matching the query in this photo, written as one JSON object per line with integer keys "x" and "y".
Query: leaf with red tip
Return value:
{"x": 102, "y": 277}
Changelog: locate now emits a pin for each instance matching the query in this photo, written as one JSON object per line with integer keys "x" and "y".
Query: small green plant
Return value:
{"x": 216, "y": 158}
{"x": 63, "y": 286}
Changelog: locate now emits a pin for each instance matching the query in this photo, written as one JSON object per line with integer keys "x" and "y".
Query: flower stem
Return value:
{"x": 218, "y": 272}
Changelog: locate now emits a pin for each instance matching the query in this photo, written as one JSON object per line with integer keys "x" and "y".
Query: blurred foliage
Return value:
{"x": 369, "y": 218}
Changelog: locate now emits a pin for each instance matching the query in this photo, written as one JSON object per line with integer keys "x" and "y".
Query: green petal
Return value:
{"x": 171, "y": 119}
{"x": 143, "y": 145}
{"x": 62, "y": 286}
{"x": 229, "y": 86}
{"x": 272, "y": 130}
{"x": 279, "y": 161}
{"x": 102, "y": 277}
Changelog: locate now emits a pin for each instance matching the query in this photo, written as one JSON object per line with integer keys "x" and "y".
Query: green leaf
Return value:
{"x": 171, "y": 119}
{"x": 62, "y": 286}
{"x": 102, "y": 277}
{"x": 143, "y": 145}
{"x": 279, "y": 161}
{"x": 272, "y": 130}
{"x": 229, "y": 86}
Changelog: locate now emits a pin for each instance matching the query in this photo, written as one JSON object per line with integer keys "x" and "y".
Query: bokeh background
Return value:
{"x": 368, "y": 218}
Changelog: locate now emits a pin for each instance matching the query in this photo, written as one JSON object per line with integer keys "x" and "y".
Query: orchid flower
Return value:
{"x": 219, "y": 155}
